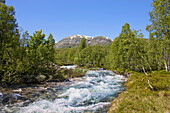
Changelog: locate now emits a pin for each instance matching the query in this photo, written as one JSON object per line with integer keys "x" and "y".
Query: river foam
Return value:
{"x": 93, "y": 93}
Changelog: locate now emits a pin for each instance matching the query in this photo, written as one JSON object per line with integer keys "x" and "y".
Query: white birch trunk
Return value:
{"x": 147, "y": 76}
{"x": 166, "y": 67}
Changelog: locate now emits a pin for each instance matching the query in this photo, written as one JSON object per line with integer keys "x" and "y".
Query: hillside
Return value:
{"x": 73, "y": 41}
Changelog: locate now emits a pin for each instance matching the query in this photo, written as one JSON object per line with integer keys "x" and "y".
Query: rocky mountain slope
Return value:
{"x": 72, "y": 41}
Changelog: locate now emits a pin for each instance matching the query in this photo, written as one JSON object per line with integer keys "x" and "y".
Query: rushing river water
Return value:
{"x": 91, "y": 93}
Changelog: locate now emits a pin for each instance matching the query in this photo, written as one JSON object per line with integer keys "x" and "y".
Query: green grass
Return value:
{"x": 140, "y": 99}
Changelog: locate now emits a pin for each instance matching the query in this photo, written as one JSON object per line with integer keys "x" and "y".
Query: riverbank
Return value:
{"x": 140, "y": 99}
{"x": 39, "y": 86}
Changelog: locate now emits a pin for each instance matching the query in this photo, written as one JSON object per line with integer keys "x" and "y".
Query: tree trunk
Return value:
{"x": 147, "y": 76}
{"x": 166, "y": 67}
{"x": 168, "y": 59}
{"x": 158, "y": 64}
{"x": 147, "y": 64}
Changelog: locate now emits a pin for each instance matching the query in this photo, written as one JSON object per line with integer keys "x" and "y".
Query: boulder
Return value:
{"x": 41, "y": 78}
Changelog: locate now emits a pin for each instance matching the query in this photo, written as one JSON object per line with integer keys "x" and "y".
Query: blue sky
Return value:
{"x": 63, "y": 18}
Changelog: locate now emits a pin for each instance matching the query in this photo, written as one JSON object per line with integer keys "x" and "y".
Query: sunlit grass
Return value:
{"x": 140, "y": 99}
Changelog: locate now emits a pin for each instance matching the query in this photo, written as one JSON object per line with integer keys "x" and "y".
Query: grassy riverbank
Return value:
{"x": 140, "y": 99}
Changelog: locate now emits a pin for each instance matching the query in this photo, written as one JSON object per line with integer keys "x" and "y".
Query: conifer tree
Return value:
{"x": 50, "y": 45}
{"x": 82, "y": 44}
{"x": 78, "y": 57}
{"x": 9, "y": 43}
{"x": 35, "y": 45}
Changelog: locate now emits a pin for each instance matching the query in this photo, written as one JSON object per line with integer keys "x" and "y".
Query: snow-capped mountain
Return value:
{"x": 72, "y": 41}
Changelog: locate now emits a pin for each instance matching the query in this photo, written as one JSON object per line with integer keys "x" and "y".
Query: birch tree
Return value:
{"x": 160, "y": 27}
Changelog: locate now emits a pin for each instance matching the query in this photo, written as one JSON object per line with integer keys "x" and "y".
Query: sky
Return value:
{"x": 63, "y": 18}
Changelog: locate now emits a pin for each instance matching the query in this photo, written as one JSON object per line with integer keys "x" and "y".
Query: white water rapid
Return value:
{"x": 92, "y": 93}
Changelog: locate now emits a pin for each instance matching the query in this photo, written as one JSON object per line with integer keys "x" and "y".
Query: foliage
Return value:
{"x": 125, "y": 50}
{"x": 65, "y": 56}
{"x": 9, "y": 45}
{"x": 22, "y": 57}
{"x": 120, "y": 70}
{"x": 64, "y": 73}
{"x": 160, "y": 32}
{"x": 82, "y": 44}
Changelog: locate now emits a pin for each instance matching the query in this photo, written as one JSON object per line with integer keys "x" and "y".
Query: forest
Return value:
{"x": 24, "y": 56}
{"x": 30, "y": 70}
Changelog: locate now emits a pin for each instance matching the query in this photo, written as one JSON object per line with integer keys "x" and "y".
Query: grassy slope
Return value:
{"x": 140, "y": 99}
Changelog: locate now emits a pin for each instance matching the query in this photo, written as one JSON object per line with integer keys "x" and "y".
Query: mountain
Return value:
{"x": 73, "y": 41}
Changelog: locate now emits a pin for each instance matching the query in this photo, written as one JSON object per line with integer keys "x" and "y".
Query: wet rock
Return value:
{"x": 43, "y": 91}
{"x": 100, "y": 68}
{"x": 1, "y": 97}
{"x": 115, "y": 71}
{"x": 42, "y": 88}
{"x": 65, "y": 80}
{"x": 6, "y": 98}
{"x": 16, "y": 96}
{"x": 35, "y": 95}
{"x": 10, "y": 97}
{"x": 27, "y": 102}
{"x": 22, "y": 98}
{"x": 17, "y": 91}
{"x": 50, "y": 89}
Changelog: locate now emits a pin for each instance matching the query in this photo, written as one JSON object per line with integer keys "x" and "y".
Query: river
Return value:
{"x": 92, "y": 93}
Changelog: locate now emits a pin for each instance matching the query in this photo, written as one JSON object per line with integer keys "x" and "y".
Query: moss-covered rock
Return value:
{"x": 40, "y": 78}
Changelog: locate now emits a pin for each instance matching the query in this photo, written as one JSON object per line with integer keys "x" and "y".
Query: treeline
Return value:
{"x": 129, "y": 51}
{"x": 22, "y": 57}
{"x": 89, "y": 56}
